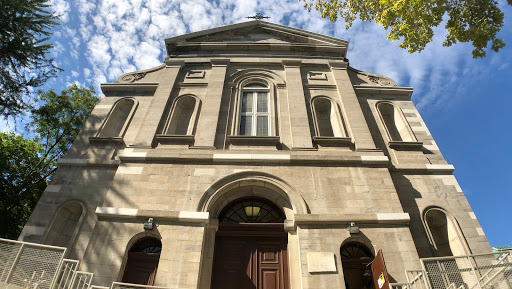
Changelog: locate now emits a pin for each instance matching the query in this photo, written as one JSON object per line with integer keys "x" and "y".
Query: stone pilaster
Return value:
{"x": 356, "y": 121}
{"x": 301, "y": 135}
{"x": 207, "y": 126}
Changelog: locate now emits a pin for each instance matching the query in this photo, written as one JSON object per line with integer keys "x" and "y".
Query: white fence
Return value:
{"x": 36, "y": 266}
{"x": 29, "y": 265}
{"x": 482, "y": 271}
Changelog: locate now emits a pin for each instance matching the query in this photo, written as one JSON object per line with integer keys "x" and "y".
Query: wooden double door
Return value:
{"x": 141, "y": 268}
{"x": 250, "y": 260}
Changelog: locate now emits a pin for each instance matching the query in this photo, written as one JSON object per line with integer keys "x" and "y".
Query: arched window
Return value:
{"x": 396, "y": 126}
{"x": 118, "y": 119}
{"x": 444, "y": 233}
{"x": 255, "y": 117}
{"x": 356, "y": 259}
{"x": 328, "y": 119}
{"x": 251, "y": 210}
{"x": 142, "y": 261}
{"x": 65, "y": 224}
{"x": 183, "y": 116}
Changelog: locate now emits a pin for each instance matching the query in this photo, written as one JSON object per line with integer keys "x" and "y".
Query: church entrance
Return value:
{"x": 251, "y": 247}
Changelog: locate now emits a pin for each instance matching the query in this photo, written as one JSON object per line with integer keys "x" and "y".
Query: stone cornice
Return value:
{"x": 402, "y": 92}
{"x": 140, "y": 86}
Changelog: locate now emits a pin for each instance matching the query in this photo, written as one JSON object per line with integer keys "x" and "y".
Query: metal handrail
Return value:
{"x": 122, "y": 284}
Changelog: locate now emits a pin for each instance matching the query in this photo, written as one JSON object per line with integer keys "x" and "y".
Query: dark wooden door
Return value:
{"x": 141, "y": 268}
{"x": 250, "y": 262}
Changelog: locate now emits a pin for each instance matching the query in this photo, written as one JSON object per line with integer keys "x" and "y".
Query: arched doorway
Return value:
{"x": 356, "y": 260}
{"x": 251, "y": 247}
{"x": 142, "y": 261}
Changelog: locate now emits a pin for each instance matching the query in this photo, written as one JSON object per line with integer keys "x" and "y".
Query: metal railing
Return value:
{"x": 81, "y": 280}
{"x": 29, "y": 265}
{"x": 480, "y": 271}
{"x": 120, "y": 285}
{"x": 67, "y": 272}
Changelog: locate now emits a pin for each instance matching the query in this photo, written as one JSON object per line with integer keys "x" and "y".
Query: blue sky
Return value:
{"x": 465, "y": 102}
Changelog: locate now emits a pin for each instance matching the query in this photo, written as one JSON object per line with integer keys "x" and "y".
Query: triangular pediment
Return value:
{"x": 256, "y": 32}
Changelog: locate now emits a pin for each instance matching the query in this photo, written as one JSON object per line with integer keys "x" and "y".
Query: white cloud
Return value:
{"x": 119, "y": 36}
{"x": 61, "y": 8}
{"x": 87, "y": 72}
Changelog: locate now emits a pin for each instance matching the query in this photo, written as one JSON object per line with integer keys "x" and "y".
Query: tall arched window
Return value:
{"x": 142, "y": 261}
{"x": 255, "y": 117}
{"x": 355, "y": 259}
{"x": 118, "y": 119}
{"x": 444, "y": 233}
{"x": 65, "y": 224}
{"x": 396, "y": 126}
{"x": 328, "y": 119}
{"x": 183, "y": 116}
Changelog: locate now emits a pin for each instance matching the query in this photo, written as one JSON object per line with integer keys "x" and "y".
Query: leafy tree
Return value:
{"x": 26, "y": 166}
{"x": 412, "y": 21}
{"x": 24, "y": 29}
{"x": 20, "y": 186}
{"x": 59, "y": 119}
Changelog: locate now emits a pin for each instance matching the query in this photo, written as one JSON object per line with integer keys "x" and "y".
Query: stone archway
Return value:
{"x": 259, "y": 185}
{"x": 251, "y": 246}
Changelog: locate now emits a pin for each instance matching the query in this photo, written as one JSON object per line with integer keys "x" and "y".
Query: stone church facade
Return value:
{"x": 255, "y": 156}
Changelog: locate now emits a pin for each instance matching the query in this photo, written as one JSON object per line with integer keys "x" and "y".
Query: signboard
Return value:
{"x": 380, "y": 273}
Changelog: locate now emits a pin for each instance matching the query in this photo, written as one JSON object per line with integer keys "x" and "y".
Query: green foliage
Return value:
{"x": 412, "y": 21}
{"x": 21, "y": 184}
{"x": 58, "y": 120}
{"x": 24, "y": 29}
{"x": 26, "y": 165}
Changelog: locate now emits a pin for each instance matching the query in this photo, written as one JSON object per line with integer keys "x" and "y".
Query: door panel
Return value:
{"x": 269, "y": 278}
{"x": 250, "y": 262}
{"x": 141, "y": 268}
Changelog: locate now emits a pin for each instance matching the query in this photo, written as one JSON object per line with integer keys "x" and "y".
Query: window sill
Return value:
{"x": 247, "y": 141}
{"x": 406, "y": 145}
{"x": 174, "y": 139}
{"x": 105, "y": 140}
{"x": 327, "y": 141}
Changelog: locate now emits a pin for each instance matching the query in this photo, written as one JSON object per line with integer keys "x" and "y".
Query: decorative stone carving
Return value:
{"x": 364, "y": 78}
{"x": 380, "y": 80}
{"x": 132, "y": 77}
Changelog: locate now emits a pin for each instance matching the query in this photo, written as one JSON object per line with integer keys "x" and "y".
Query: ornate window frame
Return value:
{"x": 239, "y": 81}
{"x": 343, "y": 139}
{"x": 407, "y": 139}
{"x": 102, "y": 135}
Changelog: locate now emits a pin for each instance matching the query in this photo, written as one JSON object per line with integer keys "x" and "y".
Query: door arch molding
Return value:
{"x": 267, "y": 186}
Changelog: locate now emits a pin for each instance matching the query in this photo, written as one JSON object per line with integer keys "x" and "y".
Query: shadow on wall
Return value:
{"x": 407, "y": 195}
